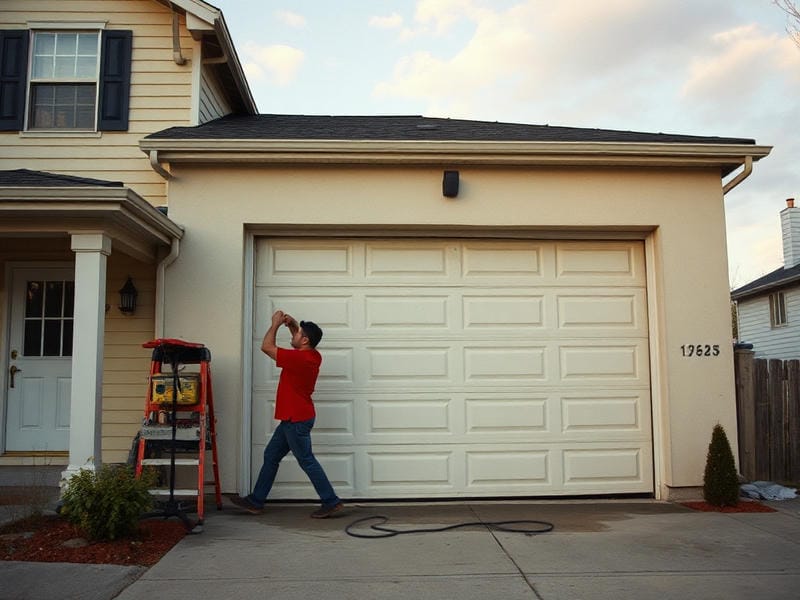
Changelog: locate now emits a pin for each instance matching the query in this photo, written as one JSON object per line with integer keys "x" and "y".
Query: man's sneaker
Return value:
{"x": 247, "y": 504}
{"x": 326, "y": 511}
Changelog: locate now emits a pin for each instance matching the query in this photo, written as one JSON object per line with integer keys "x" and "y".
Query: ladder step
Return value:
{"x": 167, "y": 461}
{"x": 177, "y": 492}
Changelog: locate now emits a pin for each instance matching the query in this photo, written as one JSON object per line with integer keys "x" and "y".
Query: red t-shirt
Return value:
{"x": 299, "y": 371}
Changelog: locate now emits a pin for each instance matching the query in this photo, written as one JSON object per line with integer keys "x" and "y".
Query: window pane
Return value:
{"x": 34, "y": 299}
{"x": 87, "y": 44}
{"x": 65, "y": 66}
{"x": 86, "y": 66}
{"x": 69, "y": 298}
{"x": 66, "y": 106}
{"x": 43, "y": 67}
{"x": 44, "y": 43}
{"x": 66, "y": 44}
{"x": 52, "y": 337}
{"x": 53, "y": 298}
{"x": 66, "y": 346}
{"x": 32, "y": 344}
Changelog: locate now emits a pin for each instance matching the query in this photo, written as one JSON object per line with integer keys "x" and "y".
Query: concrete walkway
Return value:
{"x": 598, "y": 550}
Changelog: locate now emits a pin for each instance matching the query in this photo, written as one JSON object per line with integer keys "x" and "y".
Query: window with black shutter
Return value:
{"x": 69, "y": 81}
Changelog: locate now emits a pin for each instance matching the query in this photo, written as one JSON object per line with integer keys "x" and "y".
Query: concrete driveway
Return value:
{"x": 597, "y": 550}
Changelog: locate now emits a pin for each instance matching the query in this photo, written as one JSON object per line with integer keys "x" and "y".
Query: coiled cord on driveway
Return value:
{"x": 526, "y": 526}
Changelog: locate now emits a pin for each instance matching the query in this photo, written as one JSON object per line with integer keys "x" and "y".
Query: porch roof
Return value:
{"x": 41, "y": 204}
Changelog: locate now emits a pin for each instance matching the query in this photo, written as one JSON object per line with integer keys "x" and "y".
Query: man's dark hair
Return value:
{"x": 312, "y": 331}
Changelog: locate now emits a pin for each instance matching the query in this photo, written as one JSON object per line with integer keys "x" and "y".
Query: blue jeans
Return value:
{"x": 297, "y": 438}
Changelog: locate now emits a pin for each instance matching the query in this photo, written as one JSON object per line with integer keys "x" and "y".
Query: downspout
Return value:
{"x": 174, "y": 251}
{"x": 176, "y": 39}
{"x": 744, "y": 174}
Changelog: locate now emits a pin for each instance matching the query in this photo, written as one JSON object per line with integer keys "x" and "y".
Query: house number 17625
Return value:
{"x": 700, "y": 350}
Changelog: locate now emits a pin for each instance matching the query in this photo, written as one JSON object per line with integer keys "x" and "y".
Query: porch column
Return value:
{"x": 86, "y": 400}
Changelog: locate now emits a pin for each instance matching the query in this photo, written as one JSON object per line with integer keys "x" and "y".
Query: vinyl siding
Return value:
{"x": 213, "y": 103}
{"x": 754, "y": 326}
{"x": 126, "y": 364}
{"x": 161, "y": 94}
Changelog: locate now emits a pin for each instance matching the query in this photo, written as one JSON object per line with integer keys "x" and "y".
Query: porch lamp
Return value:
{"x": 127, "y": 297}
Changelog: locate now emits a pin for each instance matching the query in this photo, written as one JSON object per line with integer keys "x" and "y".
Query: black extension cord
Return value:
{"x": 507, "y": 526}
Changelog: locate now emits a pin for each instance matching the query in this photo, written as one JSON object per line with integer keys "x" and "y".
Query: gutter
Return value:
{"x": 743, "y": 174}
{"x": 174, "y": 251}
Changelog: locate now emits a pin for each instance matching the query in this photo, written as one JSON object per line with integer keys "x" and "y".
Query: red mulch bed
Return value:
{"x": 743, "y": 506}
{"x": 42, "y": 540}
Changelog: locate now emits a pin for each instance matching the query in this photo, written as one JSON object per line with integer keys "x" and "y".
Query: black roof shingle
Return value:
{"x": 28, "y": 178}
{"x": 412, "y": 128}
{"x": 778, "y": 278}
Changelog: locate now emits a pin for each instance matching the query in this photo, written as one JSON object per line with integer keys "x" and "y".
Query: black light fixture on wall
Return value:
{"x": 450, "y": 184}
{"x": 127, "y": 297}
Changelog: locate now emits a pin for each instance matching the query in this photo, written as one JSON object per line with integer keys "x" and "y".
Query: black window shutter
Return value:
{"x": 13, "y": 78}
{"x": 115, "y": 80}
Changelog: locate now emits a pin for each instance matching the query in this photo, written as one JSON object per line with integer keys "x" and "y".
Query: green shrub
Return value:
{"x": 720, "y": 481}
{"x": 106, "y": 504}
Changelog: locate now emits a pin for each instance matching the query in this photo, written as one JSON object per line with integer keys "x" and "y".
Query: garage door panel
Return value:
{"x": 404, "y": 363}
{"x": 410, "y": 418}
{"x": 597, "y": 468}
{"x": 607, "y": 414}
{"x": 423, "y": 260}
{"x": 503, "y": 363}
{"x": 599, "y": 361}
{"x": 519, "y": 312}
{"x": 401, "y": 469}
{"x": 501, "y": 261}
{"x": 403, "y": 311}
{"x": 605, "y": 310}
{"x": 593, "y": 264}
{"x": 290, "y": 259}
{"x": 467, "y": 367}
{"x": 508, "y": 468}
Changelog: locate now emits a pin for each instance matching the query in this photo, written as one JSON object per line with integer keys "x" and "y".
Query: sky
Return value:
{"x": 700, "y": 67}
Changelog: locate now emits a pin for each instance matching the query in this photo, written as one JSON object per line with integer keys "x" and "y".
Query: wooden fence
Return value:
{"x": 768, "y": 409}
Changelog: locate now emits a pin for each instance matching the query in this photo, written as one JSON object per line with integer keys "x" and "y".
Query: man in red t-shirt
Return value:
{"x": 294, "y": 408}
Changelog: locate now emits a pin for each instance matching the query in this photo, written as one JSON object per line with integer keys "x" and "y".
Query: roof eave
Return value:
{"x": 767, "y": 287}
{"x": 725, "y": 156}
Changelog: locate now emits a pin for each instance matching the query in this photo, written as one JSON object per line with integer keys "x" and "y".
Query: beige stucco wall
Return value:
{"x": 679, "y": 213}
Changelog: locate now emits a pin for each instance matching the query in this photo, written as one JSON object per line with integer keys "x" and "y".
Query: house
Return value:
{"x": 80, "y": 84}
{"x": 509, "y": 309}
{"x": 768, "y": 309}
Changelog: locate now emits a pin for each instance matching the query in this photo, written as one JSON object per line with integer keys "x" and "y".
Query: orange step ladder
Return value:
{"x": 179, "y": 419}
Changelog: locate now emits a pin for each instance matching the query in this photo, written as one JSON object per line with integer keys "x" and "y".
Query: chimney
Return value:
{"x": 790, "y": 228}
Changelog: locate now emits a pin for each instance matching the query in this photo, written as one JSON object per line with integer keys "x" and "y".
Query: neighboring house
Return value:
{"x": 768, "y": 309}
{"x": 509, "y": 310}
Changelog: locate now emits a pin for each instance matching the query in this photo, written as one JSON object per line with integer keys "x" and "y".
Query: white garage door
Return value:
{"x": 464, "y": 367}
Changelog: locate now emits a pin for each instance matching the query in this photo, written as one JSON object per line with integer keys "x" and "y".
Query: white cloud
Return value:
{"x": 279, "y": 63}
{"x": 291, "y": 19}
{"x": 393, "y": 21}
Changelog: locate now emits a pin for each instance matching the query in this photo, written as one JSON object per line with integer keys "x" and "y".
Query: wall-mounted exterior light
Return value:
{"x": 127, "y": 297}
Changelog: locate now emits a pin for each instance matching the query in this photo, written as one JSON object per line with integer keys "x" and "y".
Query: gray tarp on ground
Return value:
{"x": 767, "y": 490}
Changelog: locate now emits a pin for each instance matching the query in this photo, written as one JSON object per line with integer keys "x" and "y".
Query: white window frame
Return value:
{"x": 37, "y": 27}
{"x": 777, "y": 310}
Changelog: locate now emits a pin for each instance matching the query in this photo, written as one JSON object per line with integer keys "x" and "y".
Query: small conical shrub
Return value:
{"x": 720, "y": 482}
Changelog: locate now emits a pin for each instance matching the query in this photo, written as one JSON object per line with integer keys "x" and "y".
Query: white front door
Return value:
{"x": 40, "y": 359}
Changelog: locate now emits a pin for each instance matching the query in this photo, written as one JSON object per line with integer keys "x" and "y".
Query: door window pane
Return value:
{"x": 49, "y": 312}
{"x": 34, "y": 299}
{"x": 32, "y": 345}
{"x": 53, "y": 298}
{"x": 66, "y": 344}
{"x": 52, "y": 337}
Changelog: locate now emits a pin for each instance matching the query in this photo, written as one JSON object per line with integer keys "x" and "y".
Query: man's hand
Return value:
{"x": 268, "y": 345}
{"x": 291, "y": 323}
